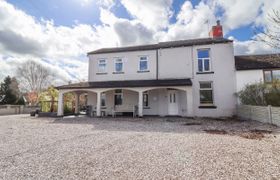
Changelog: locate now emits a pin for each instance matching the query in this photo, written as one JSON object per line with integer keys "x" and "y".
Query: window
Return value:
{"x": 103, "y": 99}
{"x": 271, "y": 75}
{"x": 102, "y": 65}
{"x": 118, "y": 97}
{"x": 206, "y": 93}
{"x": 118, "y": 65}
{"x": 203, "y": 60}
{"x": 143, "y": 63}
{"x": 145, "y": 99}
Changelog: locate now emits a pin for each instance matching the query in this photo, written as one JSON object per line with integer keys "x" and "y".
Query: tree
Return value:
{"x": 271, "y": 34}
{"x": 33, "y": 76}
{"x": 51, "y": 96}
{"x": 9, "y": 91}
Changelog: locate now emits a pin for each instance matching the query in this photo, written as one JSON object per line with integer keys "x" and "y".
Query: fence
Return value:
{"x": 265, "y": 114}
{"x": 16, "y": 109}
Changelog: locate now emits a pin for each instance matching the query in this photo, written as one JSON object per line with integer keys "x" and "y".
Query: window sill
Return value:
{"x": 211, "y": 72}
{"x": 118, "y": 72}
{"x": 101, "y": 73}
{"x": 207, "y": 107}
{"x": 144, "y": 71}
{"x": 146, "y": 107}
{"x": 103, "y": 107}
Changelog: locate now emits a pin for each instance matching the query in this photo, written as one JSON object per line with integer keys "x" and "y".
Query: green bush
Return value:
{"x": 261, "y": 94}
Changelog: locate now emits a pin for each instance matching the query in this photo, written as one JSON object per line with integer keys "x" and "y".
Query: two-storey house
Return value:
{"x": 193, "y": 77}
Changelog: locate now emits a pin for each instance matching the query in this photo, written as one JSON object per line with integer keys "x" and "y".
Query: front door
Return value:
{"x": 173, "y": 108}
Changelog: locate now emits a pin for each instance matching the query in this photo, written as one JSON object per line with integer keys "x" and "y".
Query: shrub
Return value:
{"x": 261, "y": 94}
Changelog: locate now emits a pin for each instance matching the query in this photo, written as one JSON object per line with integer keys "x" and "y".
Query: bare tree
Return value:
{"x": 271, "y": 34}
{"x": 33, "y": 76}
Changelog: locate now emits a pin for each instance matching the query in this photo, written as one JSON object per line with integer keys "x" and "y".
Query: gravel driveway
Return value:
{"x": 148, "y": 148}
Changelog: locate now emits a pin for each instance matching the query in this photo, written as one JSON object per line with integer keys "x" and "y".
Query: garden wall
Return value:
{"x": 16, "y": 109}
{"x": 265, "y": 114}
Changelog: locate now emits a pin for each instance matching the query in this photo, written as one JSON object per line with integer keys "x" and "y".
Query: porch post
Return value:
{"x": 98, "y": 105}
{"x": 189, "y": 102}
{"x": 77, "y": 103}
{"x": 140, "y": 104}
{"x": 60, "y": 104}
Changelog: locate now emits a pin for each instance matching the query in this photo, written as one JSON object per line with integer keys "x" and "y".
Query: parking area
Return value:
{"x": 132, "y": 148}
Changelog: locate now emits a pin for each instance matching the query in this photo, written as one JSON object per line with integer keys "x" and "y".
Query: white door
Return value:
{"x": 173, "y": 108}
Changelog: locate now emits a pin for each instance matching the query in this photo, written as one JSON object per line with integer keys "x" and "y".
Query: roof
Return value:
{"x": 168, "y": 44}
{"x": 130, "y": 83}
{"x": 263, "y": 61}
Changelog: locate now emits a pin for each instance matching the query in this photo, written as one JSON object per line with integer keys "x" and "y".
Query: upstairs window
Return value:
{"x": 118, "y": 65}
{"x": 271, "y": 75}
{"x": 203, "y": 56}
{"x": 143, "y": 63}
{"x": 102, "y": 65}
{"x": 206, "y": 93}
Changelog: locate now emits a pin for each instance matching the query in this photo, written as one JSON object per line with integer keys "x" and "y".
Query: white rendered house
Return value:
{"x": 185, "y": 78}
{"x": 256, "y": 68}
{"x": 190, "y": 78}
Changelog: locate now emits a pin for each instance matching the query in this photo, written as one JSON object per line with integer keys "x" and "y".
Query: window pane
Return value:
{"x": 143, "y": 58}
{"x": 203, "y": 53}
{"x": 145, "y": 100}
{"x": 267, "y": 76}
{"x": 200, "y": 67}
{"x": 118, "y": 99}
{"x": 143, "y": 65}
{"x": 206, "y": 97}
{"x": 103, "y": 99}
{"x": 102, "y": 61}
{"x": 119, "y": 67}
{"x": 276, "y": 74}
{"x": 102, "y": 67}
{"x": 204, "y": 85}
{"x": 206, "y": 65}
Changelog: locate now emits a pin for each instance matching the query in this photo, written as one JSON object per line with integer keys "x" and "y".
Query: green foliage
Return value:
{"x": 48, "y": 99}
{"x": 261, "y": 94}
{"x": 67, "y": 110}
{"x": 9, "y": 91}
{"x": 21, "y": 101}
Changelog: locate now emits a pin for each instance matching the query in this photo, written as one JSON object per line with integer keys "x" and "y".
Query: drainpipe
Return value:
{"x": 157, "y": 64}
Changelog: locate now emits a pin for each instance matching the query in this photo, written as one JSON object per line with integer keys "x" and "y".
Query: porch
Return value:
{"x": 162, "y": 99}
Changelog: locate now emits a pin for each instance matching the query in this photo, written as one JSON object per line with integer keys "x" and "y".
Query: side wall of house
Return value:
{"x": 246, "y": 77}
{"x": 222, "y": 78}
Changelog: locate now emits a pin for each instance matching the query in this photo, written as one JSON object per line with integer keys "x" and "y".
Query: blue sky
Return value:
{"x": 70, "y": 12}
{"x": 59, "y": 33}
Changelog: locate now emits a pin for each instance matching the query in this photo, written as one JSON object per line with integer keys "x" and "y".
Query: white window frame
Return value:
{"x": 118, "y": 93}
{"x": 99, "y": 63}
{"x": 203, "y": 60}
{"x": 147, "y": 60}
{"x": 212, "y": 89}
{"x": 103, "y": 95}
{"x": 116, "y": 59}
{"x": 147, "y": 94}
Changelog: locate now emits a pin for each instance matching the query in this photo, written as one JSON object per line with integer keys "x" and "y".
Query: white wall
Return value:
{"x": 246, "y": 77}
{"x": 175, "y": 63}
{"x": 130, "y": 66}
{"x": 223, "y": 78}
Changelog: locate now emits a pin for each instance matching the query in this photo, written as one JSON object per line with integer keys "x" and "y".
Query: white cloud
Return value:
{"x": 63, "y": 48}
{"x": 154, "y": 14}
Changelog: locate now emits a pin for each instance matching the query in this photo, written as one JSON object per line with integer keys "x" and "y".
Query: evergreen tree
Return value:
{"x": 8, "y": 91}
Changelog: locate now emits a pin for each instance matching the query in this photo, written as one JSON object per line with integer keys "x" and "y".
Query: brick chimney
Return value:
{"x": 217, "y": 31}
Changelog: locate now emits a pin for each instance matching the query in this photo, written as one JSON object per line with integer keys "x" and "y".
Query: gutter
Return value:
{"x": 156, "y": 64}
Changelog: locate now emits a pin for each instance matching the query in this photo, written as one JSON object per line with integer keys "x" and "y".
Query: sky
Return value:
{"x": 59, "y": 33}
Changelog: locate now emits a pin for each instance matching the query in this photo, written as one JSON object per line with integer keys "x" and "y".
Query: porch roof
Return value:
{"x": 130, "y": 83}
